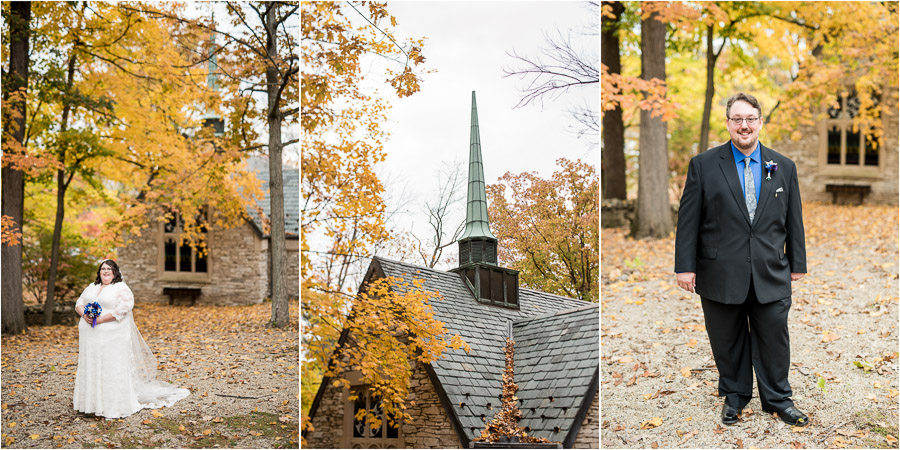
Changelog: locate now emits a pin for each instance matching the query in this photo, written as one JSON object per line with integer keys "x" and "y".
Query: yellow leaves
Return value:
{"x": 12, "y": 425}
{"x": 828, "y": 336}
{"x": 155, "y": 413}
{"x": 692, "y": 343}
{"x": 686, "y": 372}
{"x": 35, "y": 437}
{"x": 207, "y": 432}
{"x": 652, "y": 423}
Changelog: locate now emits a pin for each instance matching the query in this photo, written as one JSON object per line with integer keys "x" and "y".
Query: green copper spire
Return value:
{"x": 477, "y": 223}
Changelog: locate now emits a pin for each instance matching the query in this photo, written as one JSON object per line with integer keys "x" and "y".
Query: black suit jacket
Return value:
{"x": 716, "y": 240}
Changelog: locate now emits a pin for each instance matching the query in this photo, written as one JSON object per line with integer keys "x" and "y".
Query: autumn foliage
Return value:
{"x": 391, "y": 325}
{"x": 505, "y": 423}
{"x": 343, "y": 209}
{"x": 549, "y": 228}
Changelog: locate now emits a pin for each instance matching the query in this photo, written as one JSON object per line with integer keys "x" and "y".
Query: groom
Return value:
{"x": 739, "y": 244}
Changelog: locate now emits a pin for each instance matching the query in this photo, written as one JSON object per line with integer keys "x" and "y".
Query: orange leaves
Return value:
{"x": 686, "y": 372}
{"x": 628, "y": 92}
{"x": 11, "y": 234}
{"x": 561, "y": 240}
{"x": 652, "y": 423}
{"x": 829, "y": 336}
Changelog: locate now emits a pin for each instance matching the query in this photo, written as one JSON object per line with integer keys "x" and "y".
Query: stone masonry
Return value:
{"x": 430, "y": 427}
{"x": 589, "y": 433}
{"x": 814, "y": 176}
{"x": 237, "y": 267}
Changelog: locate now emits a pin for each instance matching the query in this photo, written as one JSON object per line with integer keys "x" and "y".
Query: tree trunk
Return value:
{"x": 280, "y": 311}
{"x": 711, "y": 57}
{"x": 613, "y": 159}
{"x": 653, "y": 217}
{"x": 12, "y": 307}
{"x": 61, "y": 185}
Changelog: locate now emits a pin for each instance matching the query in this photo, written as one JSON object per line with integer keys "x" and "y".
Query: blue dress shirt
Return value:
{"x": 755, "y": 166}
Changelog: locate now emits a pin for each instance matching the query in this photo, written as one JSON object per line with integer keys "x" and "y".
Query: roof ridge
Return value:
{"x": 381, "y": 258}
{"x": 547, "y": 293}
{"x": 557, "y": 314}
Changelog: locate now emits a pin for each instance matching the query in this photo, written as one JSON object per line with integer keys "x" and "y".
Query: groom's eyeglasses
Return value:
{"x": 750, "y": 121}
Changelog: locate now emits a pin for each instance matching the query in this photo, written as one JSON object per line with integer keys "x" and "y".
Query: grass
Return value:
{"x": 227, "y": 432}
{"x": 879, "y": 424}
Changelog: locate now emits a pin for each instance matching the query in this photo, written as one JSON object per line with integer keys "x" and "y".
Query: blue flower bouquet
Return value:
{"x": 93, "y": 311}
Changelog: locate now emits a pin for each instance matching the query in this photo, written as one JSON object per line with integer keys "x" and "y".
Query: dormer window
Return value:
{"x": 493, "y": 285}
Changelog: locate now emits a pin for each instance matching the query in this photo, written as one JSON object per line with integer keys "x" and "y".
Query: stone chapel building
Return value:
{"x": 838, "y": 164}
{"x": 451, "y": 400}
{"x": 236, "y": 268}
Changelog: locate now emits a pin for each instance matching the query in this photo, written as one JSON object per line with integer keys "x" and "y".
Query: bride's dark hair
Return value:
{"x": 117, "y": 276}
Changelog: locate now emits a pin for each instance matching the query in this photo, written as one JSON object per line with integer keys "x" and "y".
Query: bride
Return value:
{"x": 116, "y": 374}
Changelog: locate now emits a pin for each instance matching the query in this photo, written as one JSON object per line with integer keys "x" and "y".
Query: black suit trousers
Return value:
{"x": 750, "y": 336}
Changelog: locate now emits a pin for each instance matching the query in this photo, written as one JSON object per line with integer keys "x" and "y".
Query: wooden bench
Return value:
{"x": 848, "y": 190}
{"x": 193, "y": 293}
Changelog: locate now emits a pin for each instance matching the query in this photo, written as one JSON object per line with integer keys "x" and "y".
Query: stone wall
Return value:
{"x": 237, "y": 268}
{"x": 589, "y": 434}
{"x": 291, "y": 269}
{"x": 429, "y": 428}
{"x": 616, "y": 213}
{"x": 328, "y": 422}
{"x": 805, "y": 153}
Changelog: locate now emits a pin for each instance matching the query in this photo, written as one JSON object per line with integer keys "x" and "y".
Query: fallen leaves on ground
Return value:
{"x": 206, "y": 349}
{"x": 843, "y": 338}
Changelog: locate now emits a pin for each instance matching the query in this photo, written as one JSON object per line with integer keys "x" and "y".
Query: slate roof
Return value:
{"x": 291, "y": 187}
{"x": 556, "y": 361}
{"x": 556, "y": 353}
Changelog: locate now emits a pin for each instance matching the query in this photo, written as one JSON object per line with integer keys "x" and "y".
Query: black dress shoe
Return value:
{"x": 793, "y": 416}
{"x": 730, "y": 414}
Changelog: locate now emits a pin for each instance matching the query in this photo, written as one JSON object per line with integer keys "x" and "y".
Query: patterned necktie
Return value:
{"x": 749, "y": 189}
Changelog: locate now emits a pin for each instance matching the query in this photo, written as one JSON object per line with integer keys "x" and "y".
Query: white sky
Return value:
{"x": 468, "y": 44}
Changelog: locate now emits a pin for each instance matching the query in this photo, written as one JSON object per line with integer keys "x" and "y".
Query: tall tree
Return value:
{"x": 549, "y": 228}
{"x": 260, "y": 56}
{"x": 93, "y": 55}
{"x": 653, "y": 214}
{"x": 15, "y": 84}
{"x": 343, "y": 209}
{"x": 613, "y": 159}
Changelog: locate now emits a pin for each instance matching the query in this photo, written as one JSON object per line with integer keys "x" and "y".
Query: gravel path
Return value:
{"x": 243, "y": 378}
{"x": 658, "y": 377}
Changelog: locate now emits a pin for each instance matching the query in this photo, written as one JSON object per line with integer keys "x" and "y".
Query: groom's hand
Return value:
{"x": 686, "y": 280}
{"x": 797, "y": 276}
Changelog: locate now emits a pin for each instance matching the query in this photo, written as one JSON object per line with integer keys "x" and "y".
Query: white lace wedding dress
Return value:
{"x": 116, "y": 369}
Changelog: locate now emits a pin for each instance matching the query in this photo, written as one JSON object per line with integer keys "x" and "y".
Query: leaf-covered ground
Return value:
{"x": 658, "y": 377}
{"x": 243, "y": 378}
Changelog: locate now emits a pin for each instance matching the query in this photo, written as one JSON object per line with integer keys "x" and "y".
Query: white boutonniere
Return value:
{"x": 777, "y": 191}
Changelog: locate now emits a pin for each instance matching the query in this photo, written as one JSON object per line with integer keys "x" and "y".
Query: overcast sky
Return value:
{"x": 468, "y": 44}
